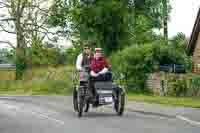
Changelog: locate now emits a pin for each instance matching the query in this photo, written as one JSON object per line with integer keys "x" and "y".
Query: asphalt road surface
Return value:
{"x": 50, "y": 114}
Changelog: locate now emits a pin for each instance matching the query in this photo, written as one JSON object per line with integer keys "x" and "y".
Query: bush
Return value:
{"x": 189, "y": 85}
{"x": 72, "y": 54}
{"x": 194, "y": 86}
{"x": 189, "y": 64}
{"x": 177, "y": 88}
{"x": 136, "y": 62}
{"x": 169, "y": 54}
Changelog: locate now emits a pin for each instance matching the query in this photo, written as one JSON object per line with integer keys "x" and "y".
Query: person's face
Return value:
{"x": 87, "y": 50}
{"x": 98, "y": 54}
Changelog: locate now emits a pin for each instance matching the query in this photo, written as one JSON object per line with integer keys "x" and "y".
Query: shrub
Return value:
{"x": 177, "y": 88}
{"x": 194, "y": 86}
{"x": 134, "y": 62}
{"x": 169, "y": 54}
{"x": 188, "y": 86}
{"x": 137, "y": 61}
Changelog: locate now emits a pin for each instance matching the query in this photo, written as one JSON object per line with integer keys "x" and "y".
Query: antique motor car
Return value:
{"x": 106, "y": 92}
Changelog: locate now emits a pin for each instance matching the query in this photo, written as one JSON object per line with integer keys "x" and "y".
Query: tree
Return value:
{"x": 144, "y": 16}
{"x": 179, "y": 39}
{"x": 103, "y": 22}
{"x": 26, "y": 19}
{"x": 165, "y": 19}
{"x": 111, "y": 24}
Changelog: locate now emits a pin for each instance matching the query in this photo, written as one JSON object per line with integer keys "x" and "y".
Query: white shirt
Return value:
{"x": 79, "y": 62}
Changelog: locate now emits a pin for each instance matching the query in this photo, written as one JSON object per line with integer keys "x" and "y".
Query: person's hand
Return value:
{"x": 105, "y": 70}
{"x": 80, "y": 70}
{"x": 94, "y": 74}
{"x": 100, "y": 72}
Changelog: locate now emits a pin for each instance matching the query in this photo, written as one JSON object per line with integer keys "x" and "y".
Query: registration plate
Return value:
{"x": 108, "y": 99}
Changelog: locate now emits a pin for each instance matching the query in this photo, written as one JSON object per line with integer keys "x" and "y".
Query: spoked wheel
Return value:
{"x": 80, "y": 101}
{"x": 86, "y": 107}
{"x": 83, "y": 105}
{"x": 75, "y": 100}
{"x": 120, "y": 103}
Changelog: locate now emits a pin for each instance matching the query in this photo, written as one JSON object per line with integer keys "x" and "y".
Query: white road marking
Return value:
{"x": 10, "y": 106}
{"x": 47, "y": 117}
{"x": 188, "y": 120}
{"x": 4, "y": 97}
{"x": 41, "y": 115}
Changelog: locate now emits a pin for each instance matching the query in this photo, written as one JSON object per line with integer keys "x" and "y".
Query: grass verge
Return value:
{"x": 48, "y": 87}
{"x": 44, "y": 80}
{"x": 171, "y": 101}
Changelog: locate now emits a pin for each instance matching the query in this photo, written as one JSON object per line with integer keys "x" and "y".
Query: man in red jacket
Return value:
{"x": 99, "y": 66}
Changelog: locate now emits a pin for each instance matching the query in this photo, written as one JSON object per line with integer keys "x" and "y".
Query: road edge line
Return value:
{"x": 192, "y": 122}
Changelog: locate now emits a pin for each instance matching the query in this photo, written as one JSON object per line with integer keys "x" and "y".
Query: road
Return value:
{"x": 53, "y": 114}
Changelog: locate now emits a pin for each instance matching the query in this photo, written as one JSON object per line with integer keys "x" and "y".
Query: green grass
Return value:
{"x": 60, "y": 83}
{"x": 171, "y": 101}
{"x": 39, "y": 81}
{"x": 7, "y": 74}
{"x": 48, "y": 87}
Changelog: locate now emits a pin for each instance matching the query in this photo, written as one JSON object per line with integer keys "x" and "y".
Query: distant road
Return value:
{"x": 7, "y": 66}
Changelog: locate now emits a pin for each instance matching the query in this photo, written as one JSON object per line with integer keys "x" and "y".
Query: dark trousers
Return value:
{"x": 102, "y": 77}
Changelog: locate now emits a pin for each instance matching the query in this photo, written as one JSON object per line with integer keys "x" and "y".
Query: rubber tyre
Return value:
{"x": 87, "y": 107}
{"x": 75, "y": 100}
{"x": 119, "y": 104}
{"x": 80, "y": 108}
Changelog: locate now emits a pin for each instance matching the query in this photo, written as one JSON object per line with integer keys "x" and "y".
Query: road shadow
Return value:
{"x": 99, "y": 114}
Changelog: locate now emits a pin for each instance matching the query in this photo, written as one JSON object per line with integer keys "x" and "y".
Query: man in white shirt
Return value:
{"x": 84, "y": 58}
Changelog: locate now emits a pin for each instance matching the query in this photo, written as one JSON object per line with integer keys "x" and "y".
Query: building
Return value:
{"x": 194, "y": 45}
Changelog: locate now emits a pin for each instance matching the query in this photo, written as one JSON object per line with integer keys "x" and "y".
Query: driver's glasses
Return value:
{"x": 86, "y": 48}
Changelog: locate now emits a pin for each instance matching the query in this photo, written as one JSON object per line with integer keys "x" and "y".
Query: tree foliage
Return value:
{"x": 25, "y": 19}
{"x": 112, "y": 24}
{"x": 46, "y": 54}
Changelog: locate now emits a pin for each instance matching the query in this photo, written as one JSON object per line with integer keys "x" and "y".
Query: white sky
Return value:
{"x": 182, "y": 19}
{"x": 183, "y": 16}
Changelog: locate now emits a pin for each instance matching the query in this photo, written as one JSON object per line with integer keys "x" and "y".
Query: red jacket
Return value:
{"x": 98, "y": 64}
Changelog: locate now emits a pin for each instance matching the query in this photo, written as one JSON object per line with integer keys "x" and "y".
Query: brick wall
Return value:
{"x": 155, "y": 84}
{"x": 196, "y": 57}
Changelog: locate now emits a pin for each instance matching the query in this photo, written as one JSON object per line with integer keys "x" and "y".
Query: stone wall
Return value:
{"x": 158, "y": 82}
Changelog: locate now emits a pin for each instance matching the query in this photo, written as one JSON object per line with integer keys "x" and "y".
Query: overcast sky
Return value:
{"x": 182, "y": 19}
{"x": 183, "y": 16}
